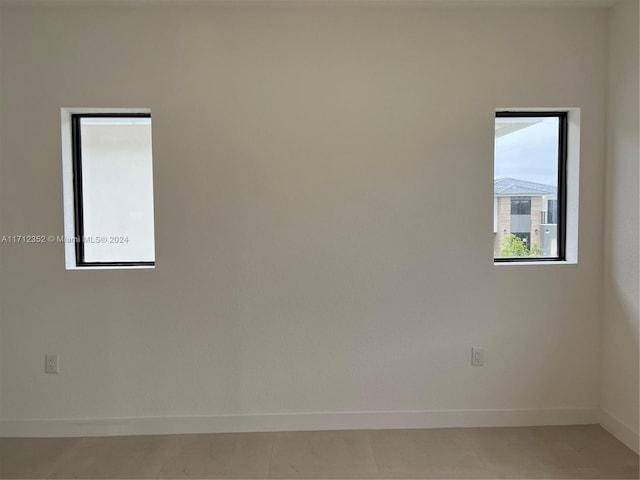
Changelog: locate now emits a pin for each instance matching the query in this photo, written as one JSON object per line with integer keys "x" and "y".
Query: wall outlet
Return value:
{"x": 51, "y": 363}
{"x": 477, "y": 356}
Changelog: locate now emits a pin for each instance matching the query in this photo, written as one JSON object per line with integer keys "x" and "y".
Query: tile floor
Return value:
{"x": 585, "y": 451}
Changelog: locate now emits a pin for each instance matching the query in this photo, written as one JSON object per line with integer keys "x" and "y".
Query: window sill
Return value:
{"x": 112, "y": 267}
{"x": 552, "y": 262}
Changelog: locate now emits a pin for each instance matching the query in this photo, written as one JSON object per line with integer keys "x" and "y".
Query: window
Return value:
{"x": 107, "y": 165}
{"x": 530, "y": 165}
{"x": 520, "y": 205}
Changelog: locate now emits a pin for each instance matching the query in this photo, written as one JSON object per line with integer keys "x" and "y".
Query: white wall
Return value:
{"x": 620, "y": 360}
{"x": 323, "y": 199}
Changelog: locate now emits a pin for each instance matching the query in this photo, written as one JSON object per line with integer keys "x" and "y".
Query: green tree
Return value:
{"x": 513, "y": 246}
{"x": 536, "y": 250}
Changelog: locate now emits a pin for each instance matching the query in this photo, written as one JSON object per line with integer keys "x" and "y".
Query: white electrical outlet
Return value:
{"x": 51, "y": 363}
{"x": 477, "y": 356}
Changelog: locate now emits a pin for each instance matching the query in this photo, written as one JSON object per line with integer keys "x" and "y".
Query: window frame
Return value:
{"x": 73, "y": 188}
{"x": 563, "y": 158}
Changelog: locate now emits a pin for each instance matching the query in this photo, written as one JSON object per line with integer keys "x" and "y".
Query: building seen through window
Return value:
{"x": 528, "y": 187}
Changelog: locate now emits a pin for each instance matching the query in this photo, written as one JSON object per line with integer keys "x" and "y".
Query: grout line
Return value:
{"x": 273, "y": 444}
{"x": 373, "y": 452}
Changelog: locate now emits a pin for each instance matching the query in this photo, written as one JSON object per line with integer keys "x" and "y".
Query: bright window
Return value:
{"x": 111, "y": 222}
{"x": 530, "y": 166}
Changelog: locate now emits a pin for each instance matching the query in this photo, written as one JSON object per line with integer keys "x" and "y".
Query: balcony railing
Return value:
{"x": 546, "y": 219}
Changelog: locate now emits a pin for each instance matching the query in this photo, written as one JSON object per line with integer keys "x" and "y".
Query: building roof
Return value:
{"x": 512, "y": 186}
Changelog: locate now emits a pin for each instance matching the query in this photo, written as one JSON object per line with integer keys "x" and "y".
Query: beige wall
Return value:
{"x": 504, "y": 223}
{"x": 324, "y": 201}
{"x": 619, "y": 382}
{"x": 536, "y": 208}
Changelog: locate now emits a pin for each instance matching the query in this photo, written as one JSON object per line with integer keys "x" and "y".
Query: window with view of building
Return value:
{"x": 529, "y": 186}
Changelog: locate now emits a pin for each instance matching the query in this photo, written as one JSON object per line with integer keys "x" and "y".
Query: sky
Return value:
{"x": 529, "y": 154}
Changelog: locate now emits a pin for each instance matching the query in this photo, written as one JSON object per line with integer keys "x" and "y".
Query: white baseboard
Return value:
{"x": 74, "y": 427}
{"x": 621, "y": 431}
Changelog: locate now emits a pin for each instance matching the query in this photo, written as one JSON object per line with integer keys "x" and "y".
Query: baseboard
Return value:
{"x": 621, "y": 431}
{"x": 74, "y": 427}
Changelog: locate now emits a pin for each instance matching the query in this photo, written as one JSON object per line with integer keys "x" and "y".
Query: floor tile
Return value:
{"x": 562, "y": 452}
{"x": 328, "y": 454}
{"x": 521, "y": 452}
{"x": 229, "y": 455}
{"x": 598, "y": 448}
{"x": 611, "y": 473}
{"x": 32, "y": 457}
{"x": 583, "y": 451}
{"x": 427, "y": 453}
{"x": 548, "y": 473}
{"x": 550, "y": 446}
{"x": 117, "y": 457}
